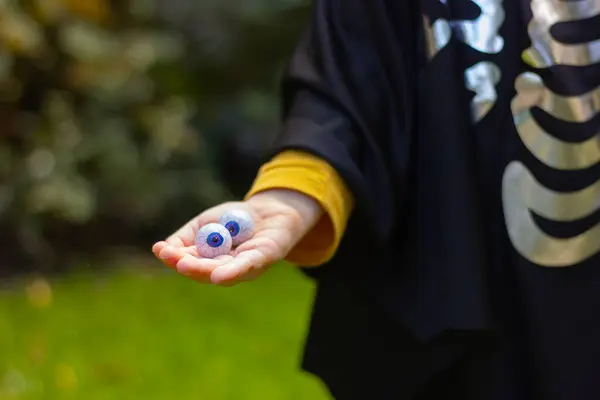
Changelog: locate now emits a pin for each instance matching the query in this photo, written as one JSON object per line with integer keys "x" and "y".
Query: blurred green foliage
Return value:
{"x": 116, "y": 116}
{"x": 149, "y": 334}
{"x": 119, "y": 120}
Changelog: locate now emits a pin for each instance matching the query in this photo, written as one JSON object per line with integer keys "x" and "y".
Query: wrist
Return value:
{"x": 308, "y": 209}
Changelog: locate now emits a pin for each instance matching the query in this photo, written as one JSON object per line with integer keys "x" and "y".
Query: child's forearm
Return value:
{"x": 313, "y": 177}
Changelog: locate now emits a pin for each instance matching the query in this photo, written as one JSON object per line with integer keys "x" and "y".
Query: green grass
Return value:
{"x": 151, "y": 334}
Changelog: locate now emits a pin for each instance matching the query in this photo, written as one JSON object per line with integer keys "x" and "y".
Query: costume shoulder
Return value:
{"x": 347, "y": 98}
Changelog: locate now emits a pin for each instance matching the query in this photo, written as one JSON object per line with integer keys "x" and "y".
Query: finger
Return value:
{"x": 186, "y": 235}
{"x": 200, "y": 269}
{"x": 253, "y": 255}
{"x": 158, "y": 246}
{"x": 171, "y": 255}
{"x": 192, "y": 251}
{"x": 242, "y": 264}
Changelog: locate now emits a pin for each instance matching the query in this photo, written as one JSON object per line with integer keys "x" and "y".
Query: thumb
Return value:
{"x": 255, "y": 255}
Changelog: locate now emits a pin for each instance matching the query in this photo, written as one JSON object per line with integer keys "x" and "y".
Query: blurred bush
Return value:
{"x": 121, "y": 119}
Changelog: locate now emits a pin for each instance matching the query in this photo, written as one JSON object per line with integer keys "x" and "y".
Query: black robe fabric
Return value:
{"x": 351, "y": 96}
{"x": 405, "y": 278}
{"x": 425, "y": 284}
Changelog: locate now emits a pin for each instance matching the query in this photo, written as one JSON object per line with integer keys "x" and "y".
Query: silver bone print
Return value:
{"x": 482, "y": 78}
{"x": 554, "y": 152}
{"x": 481, "y": 34}
{"x": 522, "y": 193}
{"x": 547, "y": 51}
{"x": 526, "y": 195}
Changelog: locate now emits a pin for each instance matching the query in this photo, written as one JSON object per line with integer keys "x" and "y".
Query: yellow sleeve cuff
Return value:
{"x": 314, "y": 177}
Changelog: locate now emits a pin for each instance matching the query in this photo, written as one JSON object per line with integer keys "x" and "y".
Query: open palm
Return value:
{"x": 279, "y": 224}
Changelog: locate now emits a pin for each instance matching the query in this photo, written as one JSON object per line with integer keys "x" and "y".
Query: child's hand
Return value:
{"x": 281, "y": 219}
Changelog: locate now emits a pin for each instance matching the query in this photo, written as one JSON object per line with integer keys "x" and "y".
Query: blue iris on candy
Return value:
{"x": 239, "y": 225}
{"x": 233, "y": 228}
{"x": 214, "y": 239}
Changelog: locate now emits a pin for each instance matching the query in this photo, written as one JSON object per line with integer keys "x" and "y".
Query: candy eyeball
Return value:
{"x": 239, "y": 224}
{"x": 213, "y": 240}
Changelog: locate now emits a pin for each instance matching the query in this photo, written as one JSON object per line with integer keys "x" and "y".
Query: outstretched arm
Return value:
{"x": 326, "y": 163}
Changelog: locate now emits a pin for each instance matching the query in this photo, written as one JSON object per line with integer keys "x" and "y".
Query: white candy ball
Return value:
{"x": 239, "y": 224}
{"x": 213, "y": 240}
